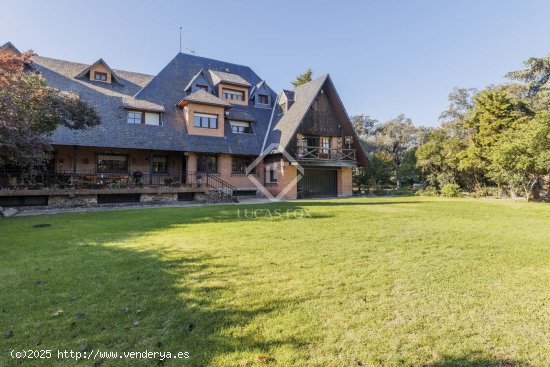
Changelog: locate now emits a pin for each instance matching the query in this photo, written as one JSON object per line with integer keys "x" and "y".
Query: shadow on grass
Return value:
{"x": 472, "y": 360}
{"x": 134, "y": 299}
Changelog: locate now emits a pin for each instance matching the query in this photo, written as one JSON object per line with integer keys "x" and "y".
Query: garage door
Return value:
{"x": 318, "y": 183}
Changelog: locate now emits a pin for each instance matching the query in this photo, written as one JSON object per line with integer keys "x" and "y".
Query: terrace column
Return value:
{"x": 74, "y": 160}
{"x": 151, "y": 168}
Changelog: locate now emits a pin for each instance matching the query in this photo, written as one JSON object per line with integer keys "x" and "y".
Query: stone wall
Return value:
{"x": 158, "y": 198}
{"x": 68, "y": 201}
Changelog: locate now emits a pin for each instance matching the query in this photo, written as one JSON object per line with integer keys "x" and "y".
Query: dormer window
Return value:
{"x": 205, "y": 121}
{"x": 145, "y": 118}
{"x": 99, "y": 76}
{"x": 235, "y": 95}
{"x": 202, "y": 87}
{"x": 241, "y": 127}
{"x": 263, "y": 99}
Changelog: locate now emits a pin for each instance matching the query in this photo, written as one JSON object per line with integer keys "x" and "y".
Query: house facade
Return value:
{"x": 194, "y": 128}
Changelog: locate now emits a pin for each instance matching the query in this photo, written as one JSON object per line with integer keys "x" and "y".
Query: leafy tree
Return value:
{"x": 493, "y": 113}
{"x": 536, "y": 74}
{"x": 521, "y": 156}
{"x": 395, "y": 138}
{"x": 460, "y": 103}
{"x": 438, "y": 158}
{"x": 303, "y": 78}
{"x": 363, "y": 124}
{"x": 29, "y": 111}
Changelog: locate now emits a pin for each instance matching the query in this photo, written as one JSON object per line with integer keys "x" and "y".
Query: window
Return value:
{"x": 100, "y": 76}
{"x": 152, "y": 118}
{"x": 207, "y": 163}
{"x": 240, "y": 165}
{"x": 241, "y": 127}
{"x": 263, "y": 99}
{"x": 235, "y": 95}
{"x": 134, "y": 117}
{"x": 202, "y": 87}
{"x": 112, "y": 163}
{"x": 271, "y": 173}
{"x": 325, "y": 145}
{"x": 160, "y": 164}
{"x": 205, "y": 121}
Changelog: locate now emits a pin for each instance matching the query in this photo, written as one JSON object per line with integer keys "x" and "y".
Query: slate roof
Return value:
{"x": 226, "y": 77}
{"x": 8, "y": 45}
{"x": 289, "y": 94}
{"x": 162, "y": 93}
{"x": 203, "y": 97}
{"x": 239, "y": 115}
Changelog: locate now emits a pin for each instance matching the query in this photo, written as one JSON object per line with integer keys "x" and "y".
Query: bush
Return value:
{"x": 451, "y": 191}
{"x": 428, "y": 191}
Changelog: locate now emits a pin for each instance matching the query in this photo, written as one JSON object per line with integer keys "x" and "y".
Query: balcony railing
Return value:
{"x": 313, "y": 153}
{"x": 20, "y": 179}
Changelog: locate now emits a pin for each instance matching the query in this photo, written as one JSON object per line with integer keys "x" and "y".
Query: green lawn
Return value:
{"x": 360, "y": 282}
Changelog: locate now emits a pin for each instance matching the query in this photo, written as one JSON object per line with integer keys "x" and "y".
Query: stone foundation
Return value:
{"x": 72, "y": 201}
{"x": 158, "y": 198}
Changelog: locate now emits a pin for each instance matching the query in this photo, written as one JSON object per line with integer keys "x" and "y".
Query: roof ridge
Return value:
{"x": 88, "y": 65}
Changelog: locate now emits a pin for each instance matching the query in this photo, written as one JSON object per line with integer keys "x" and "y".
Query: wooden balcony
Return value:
{"x": 312, "y": 155}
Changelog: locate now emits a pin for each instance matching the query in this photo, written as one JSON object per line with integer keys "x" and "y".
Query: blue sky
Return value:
{"x": 385, "y": 57}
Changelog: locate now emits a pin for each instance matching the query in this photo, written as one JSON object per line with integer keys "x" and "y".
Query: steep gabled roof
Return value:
{"x": 205, "y": 76}
{"x": 288, "y": 94}
{"x": 229, "y": 78}
{"x": 259, "y": 86}
{"x": 9, "y": 46}
{"x": 203, "y": 97}
{"x": 285, "y": 129}
{"x": 99, "y": 62}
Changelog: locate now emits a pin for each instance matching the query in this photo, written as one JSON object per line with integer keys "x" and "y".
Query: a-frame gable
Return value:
{"x": 307, "y": 96}
{"x": 201, "y": 78}
{"x": 86, "y": 72}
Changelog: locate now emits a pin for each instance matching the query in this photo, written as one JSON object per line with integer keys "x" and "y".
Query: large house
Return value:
{"x": 195, "y": 127}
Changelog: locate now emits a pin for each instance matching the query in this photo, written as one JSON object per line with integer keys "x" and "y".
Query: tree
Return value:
{"x": 493, "y": 113}
{"x": 438, "y": 158}
{"x": 460, "y": 103}
{"x": 521, "y": 156}
{"x": 395, "y": 138}
{"x": 536, "y": 74}
{"x": 29, "y": 111}
{"x": 363, "y": 124}
{"x": 303, "y": 78}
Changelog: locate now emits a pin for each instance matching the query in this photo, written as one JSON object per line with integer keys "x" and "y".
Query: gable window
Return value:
{"x": 207, "y": 163}
{"x": 241, "y": 127}
{"x": 134, "y": 117}
{"x": 240, "y": 164}
{"x": 100, "y": 76}
{"x": 112, "y": 163}
{"x": 235, "y": 95}
{"x": 205, "y": 121}
{"x": 160, "y": 164}
{"x": 152, "y": 118}
{"x": 202, "y": 87}
{"x": 263, "y": 99}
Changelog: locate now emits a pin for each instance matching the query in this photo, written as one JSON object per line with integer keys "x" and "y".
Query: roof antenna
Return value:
{"x": 188, "y": 49}
{"x": 180, "y": 39}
